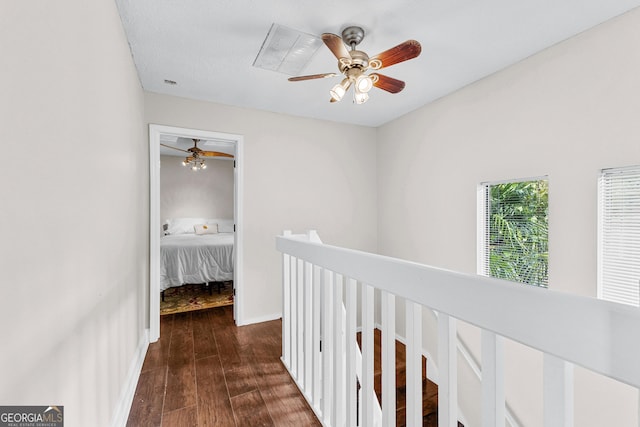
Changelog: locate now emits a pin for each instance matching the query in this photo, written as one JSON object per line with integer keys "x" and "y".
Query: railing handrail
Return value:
{"x": 598, "y": 335}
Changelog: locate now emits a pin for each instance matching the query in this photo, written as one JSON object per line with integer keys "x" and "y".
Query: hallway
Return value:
{"x": 205, "y": 371}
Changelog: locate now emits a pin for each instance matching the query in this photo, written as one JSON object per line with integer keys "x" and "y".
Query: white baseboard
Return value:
{"x": 261, "y": 319}
{"x": 123, "y": 406}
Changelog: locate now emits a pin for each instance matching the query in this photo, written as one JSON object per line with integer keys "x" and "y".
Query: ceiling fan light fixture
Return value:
{"x": 364, "y": 83}
{"x": 355, "y": 63}
{"x": 360, "y": 97}
{"x": 338, "y": 91}
{"x": 194, "y": 162}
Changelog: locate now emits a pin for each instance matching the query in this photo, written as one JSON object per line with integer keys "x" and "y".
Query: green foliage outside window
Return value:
{"x": 518, "y": 232}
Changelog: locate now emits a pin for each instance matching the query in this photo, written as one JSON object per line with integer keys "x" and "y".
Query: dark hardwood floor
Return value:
{"x": 205, "y": 371}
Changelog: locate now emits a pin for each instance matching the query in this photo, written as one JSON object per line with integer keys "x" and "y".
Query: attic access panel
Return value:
{"x": 286, "y": 50}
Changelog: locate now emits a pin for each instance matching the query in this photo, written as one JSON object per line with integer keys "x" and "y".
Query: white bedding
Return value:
{"x": 192, "y": 258}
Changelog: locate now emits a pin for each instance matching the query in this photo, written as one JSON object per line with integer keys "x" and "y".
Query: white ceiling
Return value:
{"x": 208, "y": 47}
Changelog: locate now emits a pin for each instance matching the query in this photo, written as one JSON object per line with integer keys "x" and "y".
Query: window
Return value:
{"x": 619, "y": 235}
{"x": 514, "y": 231}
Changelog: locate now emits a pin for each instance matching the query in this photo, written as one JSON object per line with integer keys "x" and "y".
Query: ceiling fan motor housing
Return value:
{"x": 358, "y": 60}
{"x": 352, "y": 36}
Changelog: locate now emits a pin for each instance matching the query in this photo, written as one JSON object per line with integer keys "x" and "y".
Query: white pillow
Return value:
{"x": 183, "y": 225}
{"x": 224, "y": 225}
{"x": 206, "y": 228}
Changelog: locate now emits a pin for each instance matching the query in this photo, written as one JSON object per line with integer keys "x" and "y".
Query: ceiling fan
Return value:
{"x": 354, "y": 63}
{"x": 195, "y": 157}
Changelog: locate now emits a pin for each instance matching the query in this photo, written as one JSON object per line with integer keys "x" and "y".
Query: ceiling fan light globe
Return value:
{"x": 364, "y": 83}
{"x": 360, "y": 97}
{"x": 203, "y": 166}
{"x": 337, "y": 92}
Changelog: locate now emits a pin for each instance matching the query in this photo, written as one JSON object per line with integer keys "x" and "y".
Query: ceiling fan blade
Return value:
{"x": 336, "y": 45}
{"x": 387, "y": 83}
{"x": 311, "y": 77}
{"x": 403, "y": 52}
{"x": 175, "y": 148}
{"x": 214, "y": 154}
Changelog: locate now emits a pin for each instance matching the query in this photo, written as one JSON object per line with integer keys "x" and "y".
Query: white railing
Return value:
{"x": 316, "y": 323}
{"x": 319, "y": 279}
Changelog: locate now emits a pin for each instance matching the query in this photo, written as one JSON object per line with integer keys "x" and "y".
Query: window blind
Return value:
{"x": 514, "y": 237}
{"x": 619, "y": 235}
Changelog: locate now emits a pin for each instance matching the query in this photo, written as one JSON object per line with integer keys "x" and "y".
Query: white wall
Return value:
{"x": 567, "y": 113}
{"x": 73, "y": 207}
{"x": 298, "y": 174}
{"x": 206, "y": 193}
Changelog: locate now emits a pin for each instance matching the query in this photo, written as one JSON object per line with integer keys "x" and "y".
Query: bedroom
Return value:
{"x": 197, "y": 217}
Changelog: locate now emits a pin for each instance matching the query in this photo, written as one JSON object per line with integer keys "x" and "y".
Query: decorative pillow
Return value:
{"x": 182, "y": 225}
{"x": 206, "y": 228}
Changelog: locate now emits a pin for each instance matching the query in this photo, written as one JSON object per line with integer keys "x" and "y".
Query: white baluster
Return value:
{"x": 327, "y": 346}
{"x": 367, "y": 355}
{"x": 388, "y": 317}
{"x": 286, "y": 306}
{"x": 351, "y": 384}
{"x": 414, "y": 364}
{"x": 338, "y": 352}
{"x": 308, "y": 331}
{"x": 313, "y": 237}
{"x": 448, "y": 372}
{"x": 300, "y": 328}
{"x": 558, "y": 392}
{"x": 294, "y": 318}
{"x": 493, "y": 397}
{"x": 317, "y": 368}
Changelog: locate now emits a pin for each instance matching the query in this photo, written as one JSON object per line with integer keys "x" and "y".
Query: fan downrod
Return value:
{"x": 352, "y": 36}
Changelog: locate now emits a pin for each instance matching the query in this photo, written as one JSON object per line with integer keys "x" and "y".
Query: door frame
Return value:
{"x": 155, "y": 131}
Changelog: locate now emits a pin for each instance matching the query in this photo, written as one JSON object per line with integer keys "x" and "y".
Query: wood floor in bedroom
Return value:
{"x": 205, "y": 371}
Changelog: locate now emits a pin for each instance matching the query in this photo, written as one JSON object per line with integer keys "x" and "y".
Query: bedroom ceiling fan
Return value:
{"x": 354, "y": 63}
{"x": 195, "y": 157}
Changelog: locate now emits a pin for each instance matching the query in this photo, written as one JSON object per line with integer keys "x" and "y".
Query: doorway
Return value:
{"x": 156, "y": 132}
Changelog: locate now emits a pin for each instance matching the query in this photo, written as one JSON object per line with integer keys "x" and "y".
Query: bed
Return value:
{"x": 188, "y": 257}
